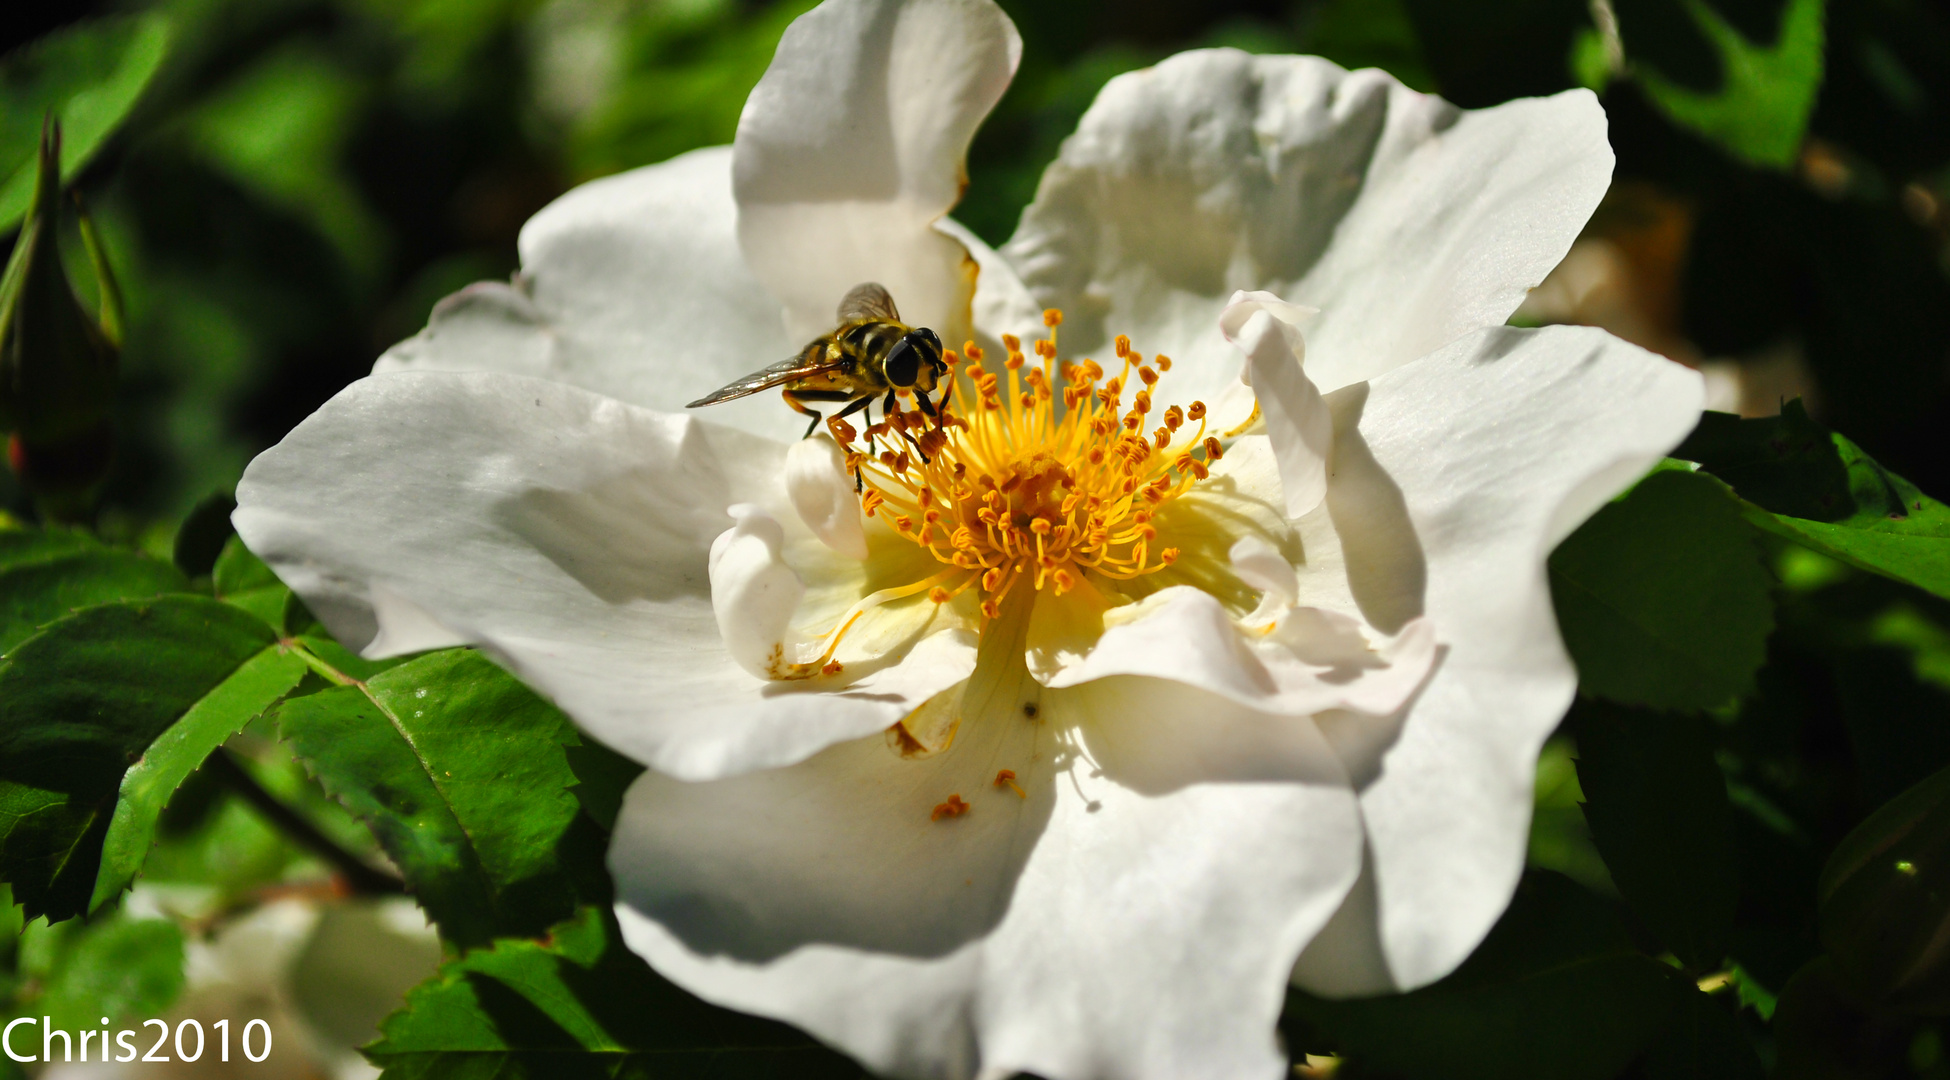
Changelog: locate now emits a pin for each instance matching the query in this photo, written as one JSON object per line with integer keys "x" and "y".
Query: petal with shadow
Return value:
{"x": 1133, "y": 914}
{"x": 568, "y": 535}
{"x": 1485, "y": 454}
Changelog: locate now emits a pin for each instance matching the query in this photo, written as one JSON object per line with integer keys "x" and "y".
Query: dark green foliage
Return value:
{"x": 459, "y": 771}
{"x": 1661, "y": 597}
{"x": 1657, "y": 805}
{"x": 79, "y": 704}
{"x": 1556, "y": 990}
{"x": 1702, "y": 1041}
{"x": 1885, "y": 901}
{"x": 121, "y": 968}
{"x": 580, "y": 1004}
{"x": 37, "y": 591}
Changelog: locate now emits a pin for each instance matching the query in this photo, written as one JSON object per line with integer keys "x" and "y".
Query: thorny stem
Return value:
{"x": 359, "y": 876}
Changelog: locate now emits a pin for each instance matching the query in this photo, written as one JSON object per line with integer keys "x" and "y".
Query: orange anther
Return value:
{"x": 1168, "y": 556}
{"x": 1012, "y": 343}
{"x": 953, "y": 808}
{"x": 1150, "y": 377}
{"x": 938, "y": 594}
{"x": 1052, "y": 317}
{"x": 1163, "y": 362}
{"x": 1123, "y": 346}
{"x": 1007, "y": 778}
{"x": 833, "y": 668}
{"x": 1197, "y": 411}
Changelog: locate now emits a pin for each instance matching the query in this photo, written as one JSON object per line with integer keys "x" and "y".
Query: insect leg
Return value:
{"x": 891, "y": 405}
{"x": 856, "y": 405}
{"x": 798, "y": 398}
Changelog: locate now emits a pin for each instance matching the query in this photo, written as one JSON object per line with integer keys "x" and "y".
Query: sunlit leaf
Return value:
{"x": 90, "y": 74}
{"x": 1767, "y": 93}
{"x": 580, "y": 1004}
{"x": 84, "y": 700}
{"x": 459, "y": 771}
{"x": 1817, "y": 488}
{"x": 1662, "y": 598}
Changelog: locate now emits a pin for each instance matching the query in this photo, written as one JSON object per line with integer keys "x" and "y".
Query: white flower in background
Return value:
{"x": 1124, "y": 699}
{"x": 320, "y": 975}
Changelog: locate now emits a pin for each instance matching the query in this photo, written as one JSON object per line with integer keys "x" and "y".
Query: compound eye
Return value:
{"x": 903, "y": 364}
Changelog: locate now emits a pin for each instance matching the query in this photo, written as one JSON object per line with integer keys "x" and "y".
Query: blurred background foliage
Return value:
{"x": 296, "y": 182}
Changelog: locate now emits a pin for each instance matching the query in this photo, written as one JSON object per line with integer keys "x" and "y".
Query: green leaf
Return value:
{"x": 34, "y": 594}
{"x": 147, "y": 786}
{"x": 19, "y": 547}
{"x": 580, "y": 1004}
{"x": 121, "y": 968}
{"x": 241, "y": 578}
{"x": 1816, "y": 488}
{"x": 91, "y": 75}
{"x": 1703, "y": 1042}
{"x": 458, "y": 770}
{"x": 1767, "y": 92}
{"x": 1556, "y": 990}
{"x": 1658, "y": 809}
{"x": 84, "y": 700}
{"x": 1662, "y": 598}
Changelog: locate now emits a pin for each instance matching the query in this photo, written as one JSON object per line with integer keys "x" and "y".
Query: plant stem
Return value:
{"x": 361, "y": 877}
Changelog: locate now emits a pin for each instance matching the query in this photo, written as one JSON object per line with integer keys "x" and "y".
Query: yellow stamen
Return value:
{"x": 1038, "y": 486}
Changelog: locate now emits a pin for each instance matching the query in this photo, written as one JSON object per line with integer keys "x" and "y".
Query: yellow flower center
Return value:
{"x": 1012, "y": 490}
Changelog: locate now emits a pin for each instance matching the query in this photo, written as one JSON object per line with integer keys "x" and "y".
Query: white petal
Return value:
{"x": 1184, "y": 635}
{"x": 851, "y": 148}
{"x": 1134, "y": 916}
{"x": 1465, "y": 469}
{"x": 632, "y": 286}
{"x": 1261, "y": 565}
{"x": 1003, "y": 304}
{"x": 1264, "y": 327}
{"x": 1408, "y": 222}
{"x": 754, "y": 593}
{"x": 822, "y": 493}
{"x": 570, "y": 536}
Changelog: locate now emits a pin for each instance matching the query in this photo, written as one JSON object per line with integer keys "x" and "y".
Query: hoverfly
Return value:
{"x": 871, "y": 353}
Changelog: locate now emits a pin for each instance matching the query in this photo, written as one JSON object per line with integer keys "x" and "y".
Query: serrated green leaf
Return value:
{"x": 80, "y": 703}
{"x": 458, "y": 770}
{"x": 577, "y": 1004}
{"x": 1816, "y": 488}
{"x": 1767, "y": 94}
{"x": 146, "y": 788}
{"x": 1657, "y": 805}
{"x": 90, "y": 74}
{"x": 241, "y": 578}
{"x": 1662, "y": 598}
{"x": 121, "y": 968}
{"x": 1556, "y": 990}
{"x": 36, "y": 593}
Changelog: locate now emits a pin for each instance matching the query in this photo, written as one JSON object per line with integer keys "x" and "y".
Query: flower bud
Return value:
{"x": 57, "y": 362}
{"x": 1885, "y": 902}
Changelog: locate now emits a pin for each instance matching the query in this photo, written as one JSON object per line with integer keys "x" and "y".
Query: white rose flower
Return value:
{"x": 1124, "y": 699}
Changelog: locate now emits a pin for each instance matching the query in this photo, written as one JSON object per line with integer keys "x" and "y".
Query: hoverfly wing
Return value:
{"x": 867, "y": 301}
{"x": 764, "y": 379}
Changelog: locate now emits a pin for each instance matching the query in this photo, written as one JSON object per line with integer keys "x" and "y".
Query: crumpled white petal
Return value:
{"x": 822, "y": 492}
{"x": 570, "y": 535}
{"x": 1267, "y": 330}
{"x": 851, "y": 148}
{"x": 1407, "y": 221}
{"x": 1452, "y": 479}
{"x": 1132, "y": 914}
{"x": 632, "y": 286}
{"x": 754, "y": 593}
